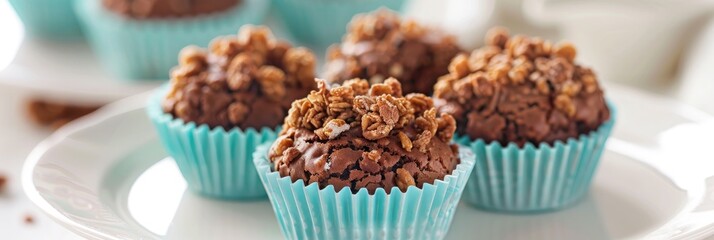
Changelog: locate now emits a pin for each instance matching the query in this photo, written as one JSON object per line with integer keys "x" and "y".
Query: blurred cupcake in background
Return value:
{"x": 380, "y": 45}
{"x": 139, "y": 39}
{"x": 320, "y": 23}
{"x": 223, "y": 102}
{"x": 53, "y": 19}
{"x": 536, "y": 120}
{"x": 354, "y": 162}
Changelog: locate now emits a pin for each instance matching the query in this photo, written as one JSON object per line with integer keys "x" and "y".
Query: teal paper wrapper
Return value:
{"x": 534, "y": 179}
{"x": 48, "y": 18}
{"x": 148, "y": 49}
{"x": 215, "y": 162}
{"x": 323, "y": 22}
{"x": 308, "y": 212}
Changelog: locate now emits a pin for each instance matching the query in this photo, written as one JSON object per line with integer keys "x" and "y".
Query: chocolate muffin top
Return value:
{"x": 521, "y": 89}
{"x": 360, "y": 137}
{"x": 381, "y": 45}
{"x": 167, "y": 8}
{"x": 245, "y": 81}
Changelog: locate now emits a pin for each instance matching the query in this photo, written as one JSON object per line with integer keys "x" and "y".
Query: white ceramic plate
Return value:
{"x": 106, "y": 177}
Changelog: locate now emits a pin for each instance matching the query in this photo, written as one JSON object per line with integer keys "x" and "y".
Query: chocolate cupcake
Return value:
{"x": 381, "y": 45}
{"x": 139, "y": 39}
{"x": 223, "y": 102}
{"x": 523, "y": 104}
{"x": 354, "y": 150}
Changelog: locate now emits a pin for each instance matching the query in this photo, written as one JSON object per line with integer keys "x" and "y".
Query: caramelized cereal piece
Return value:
{"x": 404, "y": 179}
{"x": 497, "y": 36}
{"x": 459, "y": 67}
{"x": 406, "y": 142}
{"x": 565, "y": 50}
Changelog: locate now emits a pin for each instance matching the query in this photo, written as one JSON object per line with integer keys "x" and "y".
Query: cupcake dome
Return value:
{"x": 224, "y": 102}
{"x": 380, "y": 45}
{"x": 520, "y": 90}
{"x": 354, "y": 162}
{"x": 537, "y": 122}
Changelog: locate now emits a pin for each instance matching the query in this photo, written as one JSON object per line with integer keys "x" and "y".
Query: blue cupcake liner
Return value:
{"x": 323, "y": 22}
{"x": 48, "y": 18}
{"x": 215, "y": 162}
{"x": 534, "y": 178}
{"x": 147, "y": 49}
{"x": 308, "y": 212}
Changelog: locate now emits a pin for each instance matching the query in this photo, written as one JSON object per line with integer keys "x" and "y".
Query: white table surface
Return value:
{"x": 18, "y": 136}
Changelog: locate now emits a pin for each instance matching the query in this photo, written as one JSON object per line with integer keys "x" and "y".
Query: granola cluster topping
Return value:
{"x": 357, "y": 136}
{"x": 521, "y": 89}
{"x": 378, "y": 111}
{"x": 242, "y": 81}
{"x": 381, "y": 45}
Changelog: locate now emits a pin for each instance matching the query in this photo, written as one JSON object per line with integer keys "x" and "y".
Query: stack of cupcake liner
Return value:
{"x": 534, "y": 179}
{"x": 148, "y": 48}
{"x": 323, "y": 22}
{"x": 215, "y": 162}
{"x": 308, "y": 212}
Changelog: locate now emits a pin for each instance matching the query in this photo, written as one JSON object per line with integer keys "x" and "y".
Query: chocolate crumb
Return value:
{"x": 55, "y": 114}
{"x": 3, "y": 183}
{"x": 29, "y": 219}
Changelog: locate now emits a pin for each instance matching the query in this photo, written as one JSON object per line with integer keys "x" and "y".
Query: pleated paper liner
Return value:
{"x": 53, "y": 19}
{"x": 308, "y": 212}
{"x": 147, "y": 49}
{"x": 534, "y": 178}
{"x": 323, "y": 22}
{"x": 215, "y": 162}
